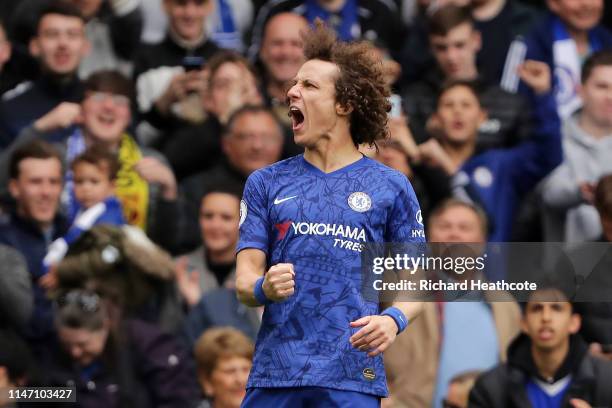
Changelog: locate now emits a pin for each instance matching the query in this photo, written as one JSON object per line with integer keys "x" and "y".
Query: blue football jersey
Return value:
{"x": 318, "y": 222}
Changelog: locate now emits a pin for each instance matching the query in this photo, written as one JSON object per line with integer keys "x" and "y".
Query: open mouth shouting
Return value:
{"x": 297, "y": 118}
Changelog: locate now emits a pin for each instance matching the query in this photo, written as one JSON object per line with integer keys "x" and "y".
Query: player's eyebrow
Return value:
{"x": 303, "y": 80}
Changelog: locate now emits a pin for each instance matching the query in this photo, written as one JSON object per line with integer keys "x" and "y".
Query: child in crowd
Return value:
{"x": 94, "y": 175}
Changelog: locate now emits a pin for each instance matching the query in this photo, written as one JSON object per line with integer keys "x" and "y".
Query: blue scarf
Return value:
{"x": 74, "y": 146}
{"x": 567, "y": 67}
{"x": 347, "y": 28}
{"x": 225, "y": 33}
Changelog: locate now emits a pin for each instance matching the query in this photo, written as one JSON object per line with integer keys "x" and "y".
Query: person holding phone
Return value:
{"x": 172, "y": 71}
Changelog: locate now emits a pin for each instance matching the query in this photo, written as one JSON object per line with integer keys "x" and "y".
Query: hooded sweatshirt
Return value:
{"x": 586, "y": 159}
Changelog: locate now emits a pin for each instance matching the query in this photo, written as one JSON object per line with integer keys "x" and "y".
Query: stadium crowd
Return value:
{"x": 128, "y": 129}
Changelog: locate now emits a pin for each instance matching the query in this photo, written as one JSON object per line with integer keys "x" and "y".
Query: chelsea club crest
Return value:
{"x": 360, "y": 201}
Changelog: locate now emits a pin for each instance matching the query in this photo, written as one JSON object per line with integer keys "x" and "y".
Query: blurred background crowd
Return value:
{"x": 128, "y": 129}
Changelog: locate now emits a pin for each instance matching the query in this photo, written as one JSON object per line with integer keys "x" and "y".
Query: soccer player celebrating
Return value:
{"x": 305, "y": 220}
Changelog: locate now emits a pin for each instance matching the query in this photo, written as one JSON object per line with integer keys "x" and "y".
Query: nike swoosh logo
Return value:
{"x": 282, "y": 200}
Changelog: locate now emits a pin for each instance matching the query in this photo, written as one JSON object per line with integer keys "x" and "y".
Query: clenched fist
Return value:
{"x": 537, "y": 75}
{"x": 279, "y": 282}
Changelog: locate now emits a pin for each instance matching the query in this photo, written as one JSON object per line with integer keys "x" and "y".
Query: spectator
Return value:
{"x": 548, "y": 365}
{"x": 16, "y": 297}
{"x": 451, "y": 337}
{"x": 60, "y": 45}
{"x": 252, "y": 139}
{"x": 231, "y": 85}
{"x": 563, "y": 39}
{"x": 95, "y": 173}
{"x": 212, "y": 265}
{"x": 113, "y": 28}
{"x": 281, "y": 55}
{"x": 227, "y": 25}
{"x": 146, "y": 186}
{"x": 169, "y": 75}
{"x": 499, "y": 22}
{"x": 372, "y": 20}
{"x": 35, "y": 184}
{"x": 116, "y": 363}
{"x": 459, "y": 390}
{"x": 455, "y": 43}
{"x": 206, "y": 276}
{"x": 487, "y": 177}
{"x": 185, "y": 36}
{"x": 223, "y": 358}
{"x": 587, "y": 145}
{"x": 592, "y": 261}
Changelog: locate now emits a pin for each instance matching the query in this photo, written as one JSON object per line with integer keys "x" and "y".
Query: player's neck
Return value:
{"x": 332, "y": 153}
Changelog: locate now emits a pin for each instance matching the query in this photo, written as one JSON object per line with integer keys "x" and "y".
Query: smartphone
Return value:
{"x": 193, "y": 63}
{"x": 396, "y": 106}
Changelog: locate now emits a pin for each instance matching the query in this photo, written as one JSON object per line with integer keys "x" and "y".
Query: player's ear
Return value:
{"x": 342, "y": 110}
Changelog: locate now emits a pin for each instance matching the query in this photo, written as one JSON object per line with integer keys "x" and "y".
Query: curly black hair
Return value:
{"x": 360, "y": 86}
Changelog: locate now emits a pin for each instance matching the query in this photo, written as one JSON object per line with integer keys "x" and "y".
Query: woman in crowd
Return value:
{"x": 224, "y": 358}
{"x": 113, "y": 362}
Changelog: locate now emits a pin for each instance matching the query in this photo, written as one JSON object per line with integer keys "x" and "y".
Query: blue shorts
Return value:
{"x": 307, "y": 397}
